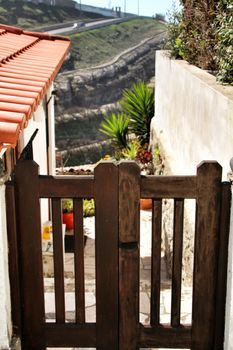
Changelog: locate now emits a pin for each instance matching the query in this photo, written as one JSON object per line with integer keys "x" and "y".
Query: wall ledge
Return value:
{"x": 203, "y": 75}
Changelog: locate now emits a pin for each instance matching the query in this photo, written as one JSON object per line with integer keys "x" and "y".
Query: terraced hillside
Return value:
{"x": 29, "y": 15}
{"x": 98, "y": 46}
{"x": 102, "y": 63}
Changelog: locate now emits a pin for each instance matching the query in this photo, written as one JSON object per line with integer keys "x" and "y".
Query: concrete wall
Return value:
{"x": 194, "y": 122}
{"x": 193, "y": 116}
{"x": 229, "y": 304}
{"x": 5, "y": 306}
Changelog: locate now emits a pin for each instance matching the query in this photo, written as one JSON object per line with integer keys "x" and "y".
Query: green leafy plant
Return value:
{"x": 158, "y": 160}
{"x": 138, "y": 104}
{"x": 88, "y": 207}
{"x": 175, "y": 43}
{"x": 224, "y": 46}
{"x": 67, "y": 205}
{"x": 116, "y": 127}
{"x": 132, "y": 150}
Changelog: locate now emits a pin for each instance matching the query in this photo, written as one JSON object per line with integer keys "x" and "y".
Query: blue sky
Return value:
{"x": 146, "y": 7}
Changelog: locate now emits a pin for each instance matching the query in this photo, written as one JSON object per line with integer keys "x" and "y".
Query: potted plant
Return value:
{"x": 67, "y": 213}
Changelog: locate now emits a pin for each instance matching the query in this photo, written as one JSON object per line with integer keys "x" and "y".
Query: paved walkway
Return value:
{"x": 145, "y": 270}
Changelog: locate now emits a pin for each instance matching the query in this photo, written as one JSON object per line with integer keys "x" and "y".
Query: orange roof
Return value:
{"x": 29, "y": 62}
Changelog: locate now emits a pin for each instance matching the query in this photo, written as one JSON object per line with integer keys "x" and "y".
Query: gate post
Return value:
{"x": 129, "y": 225}
{"x": 29, "y": 225}
{"x": 106, "y": 238}
{"x": 206, "y": 255}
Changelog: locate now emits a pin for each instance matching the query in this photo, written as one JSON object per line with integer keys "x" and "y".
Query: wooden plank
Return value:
{"x": 79, "y": 261}
{"x": 129, "y": 223}
{"x": 13, "y": 258}
{"x": 156, "y": 261}
{"x": 177, "y": 261}
{"x": 206, "y": 255}
{"x": 222, "y": 265}
{"x": 70, "y": 335}
{"x": 129, "y": 202}
{"x": 168, "y": 187}
{"x": 58, "y": 261}
{"x": 66, "y": 186}
{"x": 106, "y": 237}
{"x": 165, "y": 337}
{"x": 32, "y": 291}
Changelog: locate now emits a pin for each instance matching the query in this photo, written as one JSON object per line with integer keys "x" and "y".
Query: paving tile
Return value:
{"x": 144, "y": 303}
{"x": 91, "y": 314}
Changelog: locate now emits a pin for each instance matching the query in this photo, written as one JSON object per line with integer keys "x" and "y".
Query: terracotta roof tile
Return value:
{"x": 29, "y": 62}
{"x": 9, "y": 134}
{"x": 13, "y": 117}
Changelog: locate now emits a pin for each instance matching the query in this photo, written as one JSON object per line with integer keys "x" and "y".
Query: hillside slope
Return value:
{"x": 29, "y": 15}
{"x": 98, "y": 46}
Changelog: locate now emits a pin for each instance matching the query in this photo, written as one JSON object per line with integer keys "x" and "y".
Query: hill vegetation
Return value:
{"x": 98, "y": 46}
{"x": 29, "y": 15}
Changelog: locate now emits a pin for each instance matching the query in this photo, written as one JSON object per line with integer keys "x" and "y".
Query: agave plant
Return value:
{"x": 116, "y": 127}
{"x": 138, "y": 104}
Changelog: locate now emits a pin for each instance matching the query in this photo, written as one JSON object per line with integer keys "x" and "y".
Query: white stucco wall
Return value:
{"x": 194, "y": 122}
{"x": 39, "y": 143}
{"x": 193, "y": 116}
{"x": 51, "y": 133}
{"x": 229, "y": 304}
{"x": 5, "y": 306}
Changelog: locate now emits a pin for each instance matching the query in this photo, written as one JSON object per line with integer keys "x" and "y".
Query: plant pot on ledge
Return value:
{"x": 68, "y": 219}
{"x": 145, "y": 203}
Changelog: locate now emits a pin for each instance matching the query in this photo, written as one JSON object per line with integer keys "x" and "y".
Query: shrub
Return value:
{"x": 224, "y": 45}
{"x": 116, "y": 127}
{"x": 138, "y": 104}
{"x": 202, "y": 34}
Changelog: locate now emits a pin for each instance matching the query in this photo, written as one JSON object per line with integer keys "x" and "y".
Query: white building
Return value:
{"x": 29, "y": 64}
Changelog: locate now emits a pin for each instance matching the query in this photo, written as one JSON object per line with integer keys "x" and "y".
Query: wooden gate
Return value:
{"x": 117, "y": 191}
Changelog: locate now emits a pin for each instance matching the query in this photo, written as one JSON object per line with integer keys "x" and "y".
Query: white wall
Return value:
{"x": 39, "y": 143}
{"x": 5, "y": 306}
{"x": 194, "y": 122}
{"x": 44, "y": 157}
{"x": 193, "y": 116}
{"x": 51, "y": 133}
{"x": 229, "y": 304}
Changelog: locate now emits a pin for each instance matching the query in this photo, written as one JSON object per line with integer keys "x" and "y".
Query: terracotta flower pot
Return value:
{"x": 68, "y": 219}
{"x": 145, "y": 203}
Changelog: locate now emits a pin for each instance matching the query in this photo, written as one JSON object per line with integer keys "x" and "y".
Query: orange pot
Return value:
{"x": 145, "y": 203}
{"x": 68, "y": 219}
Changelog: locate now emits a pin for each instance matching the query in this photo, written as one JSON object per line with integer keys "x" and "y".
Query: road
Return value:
{"x": 90, "y": 25}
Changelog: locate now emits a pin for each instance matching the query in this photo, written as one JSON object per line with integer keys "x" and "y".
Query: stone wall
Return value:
{"x": 97, "y": 86}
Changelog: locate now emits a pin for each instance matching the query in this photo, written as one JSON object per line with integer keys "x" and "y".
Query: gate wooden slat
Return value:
{"x": 177, "y": 261}
{"x": 222, "y": 265}
{"x": 106, "y": 237}
{"x": 79, "y": 261}
{"x": 14, "y": 271}
{"x": 206, "y": 255}
{"x": 156, "y": 262}
{"x": 29, "y": 226}
{"x": 129, "y": 220}
{"x": 58, "y": 261}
